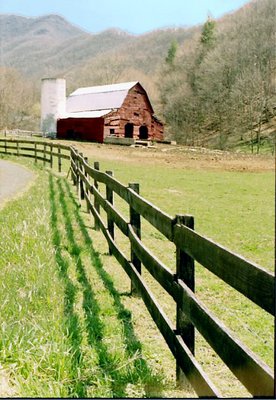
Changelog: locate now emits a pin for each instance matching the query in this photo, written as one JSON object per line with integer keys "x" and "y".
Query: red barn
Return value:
{"x": 122, "y": 110}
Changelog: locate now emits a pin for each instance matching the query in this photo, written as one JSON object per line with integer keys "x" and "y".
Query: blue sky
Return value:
{"x": 134, "y": 16}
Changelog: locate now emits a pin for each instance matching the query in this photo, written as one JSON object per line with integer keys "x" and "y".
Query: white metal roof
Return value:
{"x": 87, "y": 114}
{"x": 104, "y": 88}
{"x": 97, "y": 98}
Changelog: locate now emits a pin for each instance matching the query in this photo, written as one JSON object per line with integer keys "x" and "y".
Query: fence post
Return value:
{"x": 135, "y": 222}
{"x": 51, "y": 155}
{"x": 77, "y": 171}
{"x": 86, "y": 190}
{"x": 109, "y": 198}
{"x": 96, "y": 204}
{"x": 185, "y": 270}
{"x": 35, "y": 151}
{"x": 59, "y": 159}
{"x": 44, "y": 154}
{"x": 72, "y": 160}
{"x": 81, "y": 190}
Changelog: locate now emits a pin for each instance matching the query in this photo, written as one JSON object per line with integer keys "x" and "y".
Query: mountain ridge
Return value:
{"x": 50, "y": 44}
{"x": 11, "y": 25}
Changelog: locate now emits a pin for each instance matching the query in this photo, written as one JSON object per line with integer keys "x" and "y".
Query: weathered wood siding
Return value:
{"x": 136, "y": 110}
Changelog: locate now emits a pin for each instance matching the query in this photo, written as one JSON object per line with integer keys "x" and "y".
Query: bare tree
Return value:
{"x": 16, "y": 100}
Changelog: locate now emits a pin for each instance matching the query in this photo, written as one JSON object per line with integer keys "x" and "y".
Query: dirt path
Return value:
{"x": 14, "y": 179}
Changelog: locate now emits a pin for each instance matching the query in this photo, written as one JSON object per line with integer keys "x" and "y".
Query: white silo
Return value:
{"x": 53, "y": 103}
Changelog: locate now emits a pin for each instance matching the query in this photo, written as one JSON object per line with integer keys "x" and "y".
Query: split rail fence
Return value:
{"x": 244, "y": 276}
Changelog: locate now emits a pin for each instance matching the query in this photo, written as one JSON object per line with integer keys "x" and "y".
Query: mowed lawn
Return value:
{"x": 69, "y": 325}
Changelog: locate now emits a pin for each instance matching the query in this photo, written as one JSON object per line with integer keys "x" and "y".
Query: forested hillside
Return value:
{"x": 212, "y": 85}
{"x": 221, "y": 90}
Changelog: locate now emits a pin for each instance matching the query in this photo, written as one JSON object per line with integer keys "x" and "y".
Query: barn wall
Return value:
{"x": 136, "y": 109}
{"x": 91, "y": 129}
{"x": 157, "y": 130}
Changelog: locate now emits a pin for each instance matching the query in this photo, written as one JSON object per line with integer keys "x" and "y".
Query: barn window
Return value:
{"x": 112, "y": 131}
{"x": 143, "y": 132}
{"x": 129, "y": 130}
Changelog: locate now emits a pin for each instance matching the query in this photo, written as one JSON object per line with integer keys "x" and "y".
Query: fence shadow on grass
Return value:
{"x": 140, "y": 373}
{"x": 76, "y": 386}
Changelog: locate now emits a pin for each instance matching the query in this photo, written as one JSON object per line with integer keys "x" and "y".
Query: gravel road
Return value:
{"x": 14, "y": 179}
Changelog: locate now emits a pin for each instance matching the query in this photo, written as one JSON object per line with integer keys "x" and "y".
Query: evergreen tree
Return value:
{"x": 172, "y": 53}
{"x": 208, "y": 37}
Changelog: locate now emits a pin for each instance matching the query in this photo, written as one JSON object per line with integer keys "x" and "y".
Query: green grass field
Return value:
{"x": 70, "y": 327}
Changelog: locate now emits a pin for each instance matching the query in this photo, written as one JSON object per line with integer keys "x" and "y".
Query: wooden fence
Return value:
{"x": 45, "y": 151}
{"x": 21, "y": 133}
{"x": 244, "y": 276}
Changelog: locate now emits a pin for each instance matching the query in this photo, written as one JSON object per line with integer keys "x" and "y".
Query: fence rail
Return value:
{"x": 44, "y": 151}
{"x": 249, "y": 279}
{"x": 20, "y": 132}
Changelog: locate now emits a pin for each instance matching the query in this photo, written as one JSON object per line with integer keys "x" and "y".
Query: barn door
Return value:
{"x": 143, "y": 132}
{"x": 129, "y": 130}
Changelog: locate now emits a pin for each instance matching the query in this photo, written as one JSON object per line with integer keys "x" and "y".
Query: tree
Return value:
{"x": 17, "y": 98}
{"x": 171, "y": 53}
{"x": 208, "y": 36}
